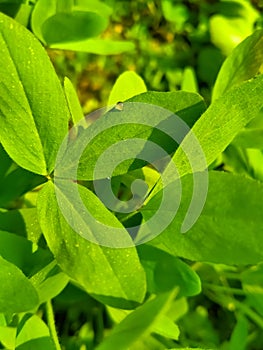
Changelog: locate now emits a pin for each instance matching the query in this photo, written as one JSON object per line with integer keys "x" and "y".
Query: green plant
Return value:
{"x": 142, "y": 288}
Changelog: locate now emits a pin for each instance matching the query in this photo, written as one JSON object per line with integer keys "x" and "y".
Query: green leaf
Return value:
{"x": 219, "y": 125}
{"x": 17, "y": 293}
{"x": 231, "y": 26}
{"x": 137, "y": 323}
{"x": 23, "y": 222}
{"x": 187, "y": 105}
{"x": 83, "y": 20}
{"x": 228, "y": 231}
{"x": 16, "y": 183}
{"x": 97, "y": 46}
{"x": 239, "y": 335}
{"x": 113, "y": 127}
{"x": 104, "y": 272}
{"x": 19, "y": 251}
{"x": 34, "y": 335}
{"x": 10, "y": 8}
{"x": 73, "y": 26}
{"x": 34, "y": 114}
{"x": 242, "y": 64}
{"x": 249, "y": 138}
{"x": 166, "y": 327}
{"x": 189, "y": 82}
{"x": 126, "y": 86}
{"x": 73, "y": 101}
{"x": 165, "y": 272}
{"x": 177, "y": 13}
{"x": 8, "y": 337}
{"x": 49, "y": 282}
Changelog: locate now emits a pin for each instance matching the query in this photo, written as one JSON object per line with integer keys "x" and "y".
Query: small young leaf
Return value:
{"x": 73, "y": 101}
{"x": 126, "y": 86}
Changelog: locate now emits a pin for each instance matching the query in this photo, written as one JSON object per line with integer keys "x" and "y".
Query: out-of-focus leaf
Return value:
{"x": 126, "y": 86}
{"x": 242, "y": 64}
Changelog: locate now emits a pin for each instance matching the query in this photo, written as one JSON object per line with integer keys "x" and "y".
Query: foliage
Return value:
{"x": 198, "y": 289}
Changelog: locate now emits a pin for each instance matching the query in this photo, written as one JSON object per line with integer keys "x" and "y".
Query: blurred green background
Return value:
{"x": 178, "y": 45}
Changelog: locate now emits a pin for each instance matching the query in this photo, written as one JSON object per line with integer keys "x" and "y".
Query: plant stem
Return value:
{"x": 51, "y": 324}
{"x": 224, "y": 289}
{"x": 256, "y": 318}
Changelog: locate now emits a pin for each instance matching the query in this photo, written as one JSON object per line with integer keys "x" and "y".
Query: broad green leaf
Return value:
{"x": 34, "y": 113}
{"x": 126, "y": 86}
{"x": 228, "y": 231}
{"x": 187, "y": 105}
{"x": 137, "y": 323}
{"x": 97, "y": 46}
{"x": 219, "y": 125}
{"x": 165, "y": 272}
{"x": 242, "y": 64}
{"x": 73, "y": 101}
{"x": 73, "y": 26}
{"x": 104, "y": 272}
{"x": 34, "y": 335}
{"x": 16, "y": 294}
{"x": 134, "y": 121}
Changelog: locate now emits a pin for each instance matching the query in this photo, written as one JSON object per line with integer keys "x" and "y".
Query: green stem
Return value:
{"x": 51, "y": 324}
{"x": 237, "y": 305}
{"x": 232, "y": 275}
{"x": 250, "y": 313}
{"x": 224, "y": 289}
